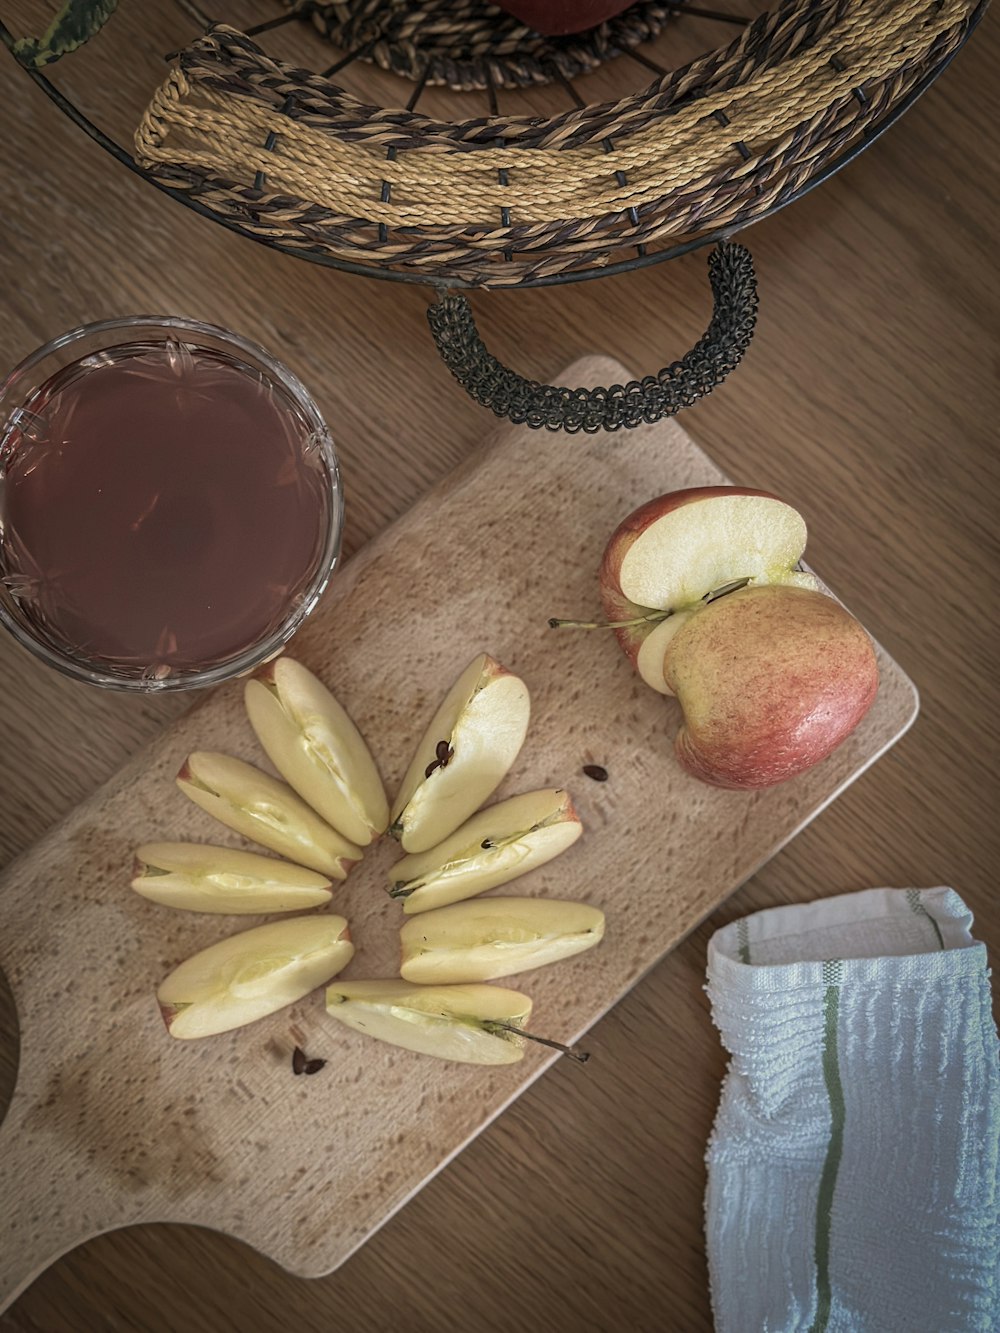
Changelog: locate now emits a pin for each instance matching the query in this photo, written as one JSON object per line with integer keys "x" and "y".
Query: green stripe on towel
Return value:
{"x": 743, "y": 939}
{"x": 828, "y": 1179}
{"x": 918, "y": 909}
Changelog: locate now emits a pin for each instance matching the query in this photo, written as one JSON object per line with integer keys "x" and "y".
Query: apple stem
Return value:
{"x": 573, "y": 1052}
{"x": 653, "y": 618}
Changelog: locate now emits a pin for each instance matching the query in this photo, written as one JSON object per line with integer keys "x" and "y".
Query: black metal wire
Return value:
{"x": 621, "y": 406}
{"x": 418, "y": 91}
{"x": 358, "y": 54}
{"x": 267, "y": 26}
{"x": 716, "y": 15}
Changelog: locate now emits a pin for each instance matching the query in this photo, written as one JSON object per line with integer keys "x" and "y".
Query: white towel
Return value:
{"x": 852, "y": 1170}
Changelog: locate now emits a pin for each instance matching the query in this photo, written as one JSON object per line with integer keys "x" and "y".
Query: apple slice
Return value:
{"x": 770, "y": 680}
{"x": 317, "y": 749}
{"x": 467, "y": 1023}
{"x": 265, "y": 811}
{"x": 675, "y": 549}
{"x": 497, "y": 845}
{"x": 200, "y": 878}
{"x": 495, "y": 937}
{"x": 465, "y": 753}
{"x": 680, "y": 550}
{"x": 253, "y": 974}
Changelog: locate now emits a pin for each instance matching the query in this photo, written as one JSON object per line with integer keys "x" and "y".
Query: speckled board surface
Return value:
{"x": 114, "y": 1123}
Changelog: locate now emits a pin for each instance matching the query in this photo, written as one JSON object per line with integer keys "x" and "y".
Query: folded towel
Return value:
{"x": 852, "y": 1170}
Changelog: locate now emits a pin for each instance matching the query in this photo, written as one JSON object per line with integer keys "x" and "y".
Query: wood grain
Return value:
{"x": 219, "y": 1132}
{"x": 869, "y": 399}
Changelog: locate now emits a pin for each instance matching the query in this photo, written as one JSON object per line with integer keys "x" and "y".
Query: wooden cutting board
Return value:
{"x": 114, "y": 1123}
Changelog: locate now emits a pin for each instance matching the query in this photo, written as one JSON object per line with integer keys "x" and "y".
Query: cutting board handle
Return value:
{"x": 41, "y": 1188}
{"x": 734, "y": 288}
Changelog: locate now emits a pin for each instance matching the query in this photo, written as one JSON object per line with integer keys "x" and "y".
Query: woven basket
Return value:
{"x": 289, "y": 157}
{"x": 496, "y": 202}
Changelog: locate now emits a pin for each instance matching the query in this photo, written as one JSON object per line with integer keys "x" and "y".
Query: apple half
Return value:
{"x": 471, "y": 1024}
{"x": 266, "y": 811}
{"x": 465, "y": 753}
{"x": 770, "y": 681}
{"x": 495, "y": 937}
{"x": 198, "y": 877}
{"x": 497, "y": 845}
{"x": 673, "y": 552}
{"x": 771, "y": 673}
{"x": 317, "y": 749}
{"x": 253, "y": 974}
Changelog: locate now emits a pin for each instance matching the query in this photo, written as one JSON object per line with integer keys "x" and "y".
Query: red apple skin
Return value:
{"x": 615, "y": 604}
{"x": 770, "y": 680}
{"x": 558, "y": 17}
{"x": 168, "y": 1012}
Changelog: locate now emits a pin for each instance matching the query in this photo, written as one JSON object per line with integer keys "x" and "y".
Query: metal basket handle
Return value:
{"x": 525, "y": 402}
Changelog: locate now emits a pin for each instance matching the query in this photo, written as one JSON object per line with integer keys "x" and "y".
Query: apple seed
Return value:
{"x": 302, "y": 1064}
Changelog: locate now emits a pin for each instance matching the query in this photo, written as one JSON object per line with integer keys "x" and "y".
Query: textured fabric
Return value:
{"x": 853, "y": 1167}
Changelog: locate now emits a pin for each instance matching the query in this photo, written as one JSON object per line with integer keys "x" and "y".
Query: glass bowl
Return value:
{"x": 87, "y": 347}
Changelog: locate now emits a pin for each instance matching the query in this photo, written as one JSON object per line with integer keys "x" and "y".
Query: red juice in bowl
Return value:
{"x": 164, "y": 508}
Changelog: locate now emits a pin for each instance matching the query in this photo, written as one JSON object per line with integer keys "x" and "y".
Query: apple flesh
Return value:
{"x": 317, "y": 749}
{"x": 493, "y": 847}
{"x": 770, "y": 680}
{"x": 266, "y": 811}
{"x": 197, "y": 877}
{"x": 495, "y": 937}
{"x": 679, "y": 549}
{"x": 465, "y": 1023}
{"x": 253, "y": 974}
{"x": 464, "y": 755}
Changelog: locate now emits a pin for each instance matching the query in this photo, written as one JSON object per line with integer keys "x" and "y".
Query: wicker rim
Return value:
{"x": 502, "y": 201}
{"x": 191, "y": 192}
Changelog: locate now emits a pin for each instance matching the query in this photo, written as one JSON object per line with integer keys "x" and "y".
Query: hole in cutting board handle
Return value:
{"x": 10, "y": 1045}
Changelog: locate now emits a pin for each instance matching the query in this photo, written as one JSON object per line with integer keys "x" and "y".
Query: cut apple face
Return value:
{"x": 196, "y": 877}
{"x": 266, "y": 811}
{"x": 466, "y": 751}
{"x": 493, "y": 847}
{"x": 253, "y": 974}
{"x": 682, "y": 547}
{"x": 470, "y": 1024}
{"x": 495, "y": 937}
{"x": 317, "y": 749}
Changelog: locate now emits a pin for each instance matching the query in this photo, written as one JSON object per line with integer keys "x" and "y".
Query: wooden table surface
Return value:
{"x": 869, "y": 399}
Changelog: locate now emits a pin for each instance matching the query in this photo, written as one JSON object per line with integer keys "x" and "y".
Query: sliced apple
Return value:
{"x": 465, "y": 753}
{"x": 770, "y": 680}
{"x": 197, "y": 877}
{"x": 679, "y": 550}
{"x": 491, "y": 848}
{"x": 467, "y": 1023}
{"x": 265, "y": 811}
{"x": 317, "y": 749}
{"x": 676, "y": 549}
{"x": 253, "y": 974}
{"x": 495, "y": 937}
{"x": 652, "y": 650}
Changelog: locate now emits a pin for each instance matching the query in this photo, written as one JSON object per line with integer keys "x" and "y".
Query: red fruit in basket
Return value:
{"x": 556, "y": 17}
